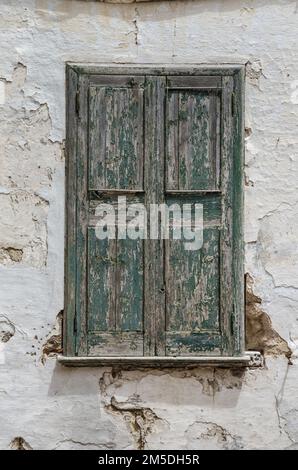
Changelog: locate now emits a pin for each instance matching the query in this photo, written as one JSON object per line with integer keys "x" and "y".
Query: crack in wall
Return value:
{"x": 282, "y": 420}
{"x": 83, "y": 444}
{"x": 142, "y": 420}
{"x": 28, "y": 166}
{"x": 136, "y": 27}
{"x": 139, "y": 420}
{"x": 216, "y": 435}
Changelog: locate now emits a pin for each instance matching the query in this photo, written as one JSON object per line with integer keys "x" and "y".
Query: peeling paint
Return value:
{"x": 154, "y": 409}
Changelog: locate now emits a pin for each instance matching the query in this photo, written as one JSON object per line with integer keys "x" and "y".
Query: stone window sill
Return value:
{"x": 248, "y": 359}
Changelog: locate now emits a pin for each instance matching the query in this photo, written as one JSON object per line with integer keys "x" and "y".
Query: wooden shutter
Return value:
{"x": 155, "y": 136}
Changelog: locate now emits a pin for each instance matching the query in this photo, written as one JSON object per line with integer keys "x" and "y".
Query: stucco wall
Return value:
{"x": 43, "y": 405}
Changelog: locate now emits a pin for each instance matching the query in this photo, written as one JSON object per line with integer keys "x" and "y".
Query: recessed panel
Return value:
{"x": 116, "y": 137}
{"x": 193, "y": 141}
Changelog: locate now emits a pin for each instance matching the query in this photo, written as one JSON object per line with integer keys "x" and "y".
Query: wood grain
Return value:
{"x": 154, "y": 134}
{"x": 154, "y": 302}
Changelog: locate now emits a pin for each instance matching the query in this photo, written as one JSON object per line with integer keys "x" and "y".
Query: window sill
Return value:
{"x": 248, "y": 359}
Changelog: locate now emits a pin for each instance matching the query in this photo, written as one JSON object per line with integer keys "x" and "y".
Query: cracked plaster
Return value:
{"x": 103, "y": 408}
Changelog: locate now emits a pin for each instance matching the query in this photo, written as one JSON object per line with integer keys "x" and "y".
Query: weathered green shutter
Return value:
{"x": 115, "y": 269}
{"x": 154, "y": 136}
{"x": 193, "y": 176}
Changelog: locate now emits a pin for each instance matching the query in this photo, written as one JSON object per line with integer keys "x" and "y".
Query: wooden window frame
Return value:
{"x": 77, "y": 76}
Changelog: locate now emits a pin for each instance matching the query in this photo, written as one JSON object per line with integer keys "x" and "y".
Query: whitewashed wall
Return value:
{"x": 43, "y": 405}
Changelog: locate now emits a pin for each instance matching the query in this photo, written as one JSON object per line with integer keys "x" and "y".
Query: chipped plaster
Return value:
{"x": 205, "y": 408}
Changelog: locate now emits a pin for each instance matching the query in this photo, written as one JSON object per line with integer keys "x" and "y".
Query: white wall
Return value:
{"x": 52, "y": 407}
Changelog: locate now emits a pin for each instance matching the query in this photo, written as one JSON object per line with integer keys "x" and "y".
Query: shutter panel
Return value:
{"x": 116, "y": 133}
{"x": 115, "y": 267}
{"x": 155, "y": 137}
{"x": 154, "y": 305}
{"x": 193, "y": 177}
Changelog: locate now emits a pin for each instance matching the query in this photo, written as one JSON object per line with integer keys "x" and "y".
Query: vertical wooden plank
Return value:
{"x": 172, "y": 137}
{"x": 238, "y": 211}
{"x": 183, "y": 140}
{"x": 82, "y": 212}
{"x": 211, "y": 275}
{"x": 130, "y": 138}
{"x": 214, "y": 139}
{"x": 70, "y": 211}
{"x": 154, "y": 302}
{"x": 218, "y": 146}
{"x": 226, "y": 239}
{"x": 115, "y": 267}
{"x": 97, "y": 136}
{"x": 112, "y": 156}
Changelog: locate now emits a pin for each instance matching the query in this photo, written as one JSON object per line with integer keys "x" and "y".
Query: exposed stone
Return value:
{"x": 7, "y": 329}
{"x": 53, "y": 344}
{"x": 11, "y": 254}
{"x": 254, "y": 71}
{"x": 19, "y": 443}
{"x": 260, "y": 335}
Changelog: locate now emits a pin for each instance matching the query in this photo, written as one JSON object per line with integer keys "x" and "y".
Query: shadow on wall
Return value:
{"x": 157, "y": 385}
{"x": 172, "y": 387}
{"x": 133, "y": 401}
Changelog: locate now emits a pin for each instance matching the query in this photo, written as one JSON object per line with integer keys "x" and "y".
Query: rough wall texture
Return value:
{"x": 43, "y": 405}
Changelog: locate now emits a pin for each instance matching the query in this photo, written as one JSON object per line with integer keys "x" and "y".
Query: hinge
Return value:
{"x": 77, "y": 102}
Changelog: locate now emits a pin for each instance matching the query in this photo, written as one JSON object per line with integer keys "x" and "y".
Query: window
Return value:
{"x": 143, "y": 137}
